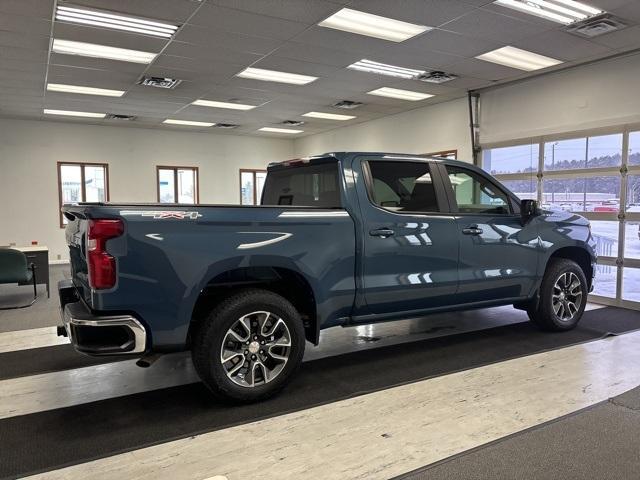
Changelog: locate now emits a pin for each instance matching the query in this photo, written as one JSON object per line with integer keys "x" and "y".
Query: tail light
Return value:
{"x": 102, "y": 266}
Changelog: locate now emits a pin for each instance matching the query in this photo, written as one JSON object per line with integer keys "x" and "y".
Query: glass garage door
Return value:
{"x": 596, "y": 176}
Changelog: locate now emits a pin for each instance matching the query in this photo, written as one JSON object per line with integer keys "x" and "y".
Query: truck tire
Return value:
{"x": 249, "y": 346}
{"x": 562, "y": 297}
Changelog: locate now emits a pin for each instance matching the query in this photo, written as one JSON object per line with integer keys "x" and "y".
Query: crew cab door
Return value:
{"x": 409, "y": 248}
{"x": 498, "y": 255}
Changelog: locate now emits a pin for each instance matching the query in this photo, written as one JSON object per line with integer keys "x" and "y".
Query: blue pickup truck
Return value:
{"x": 340, "y": 239}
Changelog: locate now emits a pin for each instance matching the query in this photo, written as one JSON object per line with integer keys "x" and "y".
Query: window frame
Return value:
{"x": 83, "y": 191}
{"x": 175, "y": 169}
{"x": 444, "y": 207}
{"x": 512, "y": 203}
{"x": 253, "y": 171}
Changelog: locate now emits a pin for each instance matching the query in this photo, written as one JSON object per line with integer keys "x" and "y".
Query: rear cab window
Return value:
{"x": 402, "y": 186}
{"x": 307, "y": 185}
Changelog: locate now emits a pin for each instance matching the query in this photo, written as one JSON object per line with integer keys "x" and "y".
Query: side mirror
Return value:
{"x": 528, "y": 209}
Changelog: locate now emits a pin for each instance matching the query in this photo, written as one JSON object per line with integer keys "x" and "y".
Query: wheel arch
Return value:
{"x": 579, "y": 254}
{"x": 285, "y": 281}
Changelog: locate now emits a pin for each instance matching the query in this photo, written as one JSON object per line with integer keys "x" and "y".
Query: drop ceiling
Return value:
{"x": 219, "y": 38}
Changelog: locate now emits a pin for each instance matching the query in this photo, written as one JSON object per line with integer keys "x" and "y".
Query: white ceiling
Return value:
{"x": 219, "y": 38}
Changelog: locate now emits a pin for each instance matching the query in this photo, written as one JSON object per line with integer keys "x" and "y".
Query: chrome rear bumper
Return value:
{"x": 97, "y": 334}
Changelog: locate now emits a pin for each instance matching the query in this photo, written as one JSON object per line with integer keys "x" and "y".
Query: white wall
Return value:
{"x": 444, "y": 126}
{"x": 599, "y": 95}
{"x": 29, "y": 151}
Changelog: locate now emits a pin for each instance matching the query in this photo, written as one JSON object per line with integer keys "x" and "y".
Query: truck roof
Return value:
{"x": 342, "y": 156}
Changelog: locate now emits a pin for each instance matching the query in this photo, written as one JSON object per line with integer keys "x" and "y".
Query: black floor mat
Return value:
{"x": 52, "y": 439}
{"x": 34, "y": 361}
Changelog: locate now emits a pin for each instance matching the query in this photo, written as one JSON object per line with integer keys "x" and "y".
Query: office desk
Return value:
{"x": 39, "y": 256}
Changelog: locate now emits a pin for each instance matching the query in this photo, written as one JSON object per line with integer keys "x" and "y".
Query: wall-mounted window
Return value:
{"x": 449, "y": 154}
{"x": 593, "y": 175}
{"x": 251, "y": 185}
{"x": 178, "y": 184}
{"x": 82, "y": 182}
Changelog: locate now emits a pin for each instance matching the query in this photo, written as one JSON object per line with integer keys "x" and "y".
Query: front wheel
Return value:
{"x": 563, "y": 297}
{"x": 249, "y": 346}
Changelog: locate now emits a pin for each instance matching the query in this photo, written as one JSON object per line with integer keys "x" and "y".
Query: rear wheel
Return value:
{"x": 563, "y": 296}
{"x": 249, "y": 346}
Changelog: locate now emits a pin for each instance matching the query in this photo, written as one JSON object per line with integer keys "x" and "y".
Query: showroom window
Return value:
{"x": 402, "y": 186}
{"x": 82, "y": 182}
{"x": 595, "y": 175}
{"x": 177, "y": 184}
{"x": 251, "y": 185}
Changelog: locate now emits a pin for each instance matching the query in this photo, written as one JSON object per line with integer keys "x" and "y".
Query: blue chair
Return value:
{"x": 14, "y": 268}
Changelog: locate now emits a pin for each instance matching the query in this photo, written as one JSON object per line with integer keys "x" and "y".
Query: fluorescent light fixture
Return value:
{"x": 328, "y": 116}
{"x": 68, "y": 47}
{"x": 370, "y": 66}
{"x": 362, "y": 23}
{"x": 171, "y": 121}
{"x": 400, "y": 94}
{"x": 231, "y": 106}
{"x": 69, "y": 113}
{"x": 59, "y": 87}
{"x": 279, "y": 130}
{"x": 104, "y": 19}
{"x": 561, "y": 11}
{"x": 275, "y": 76}
{"x": 517, "y": 58}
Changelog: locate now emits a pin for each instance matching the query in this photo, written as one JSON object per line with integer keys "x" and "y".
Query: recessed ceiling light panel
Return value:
{"x": 517, "y": 58}
{"x": 363, "y": 23}
{"x": 370, "y": 66}
{"x": 59, "y": 87}
{"x": 100, "y": 18}
{"x": 229, "y": 105}
{"x": 190, "y": 123}
{"x": 70, "y": 113}
{"x": 561, "y": 11}
{"x": 329, "y": 116}
{"x": 68, "y": 47}
{"x": 279, "y": 130}
{"x": 400, "y": 94}
{"x": 275, "y": 76}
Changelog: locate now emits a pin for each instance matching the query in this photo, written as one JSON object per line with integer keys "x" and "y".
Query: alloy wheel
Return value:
{"x": 255, "y": 349}
{"x": 566, "y": 298}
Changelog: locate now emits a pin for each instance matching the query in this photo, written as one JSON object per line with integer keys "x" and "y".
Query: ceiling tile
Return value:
{"x": 187, "y": 50}
{"x": 22, "y": 54}
{"x": 24, "y": 24}
{"x": 473, "y": 67}
{"x": 232, "y": 20}
{"x": 423, "y": 12}
{"x": 30, "y": 8}
{"x": 96, "y": 63}
{"x": 452, "y": 43}
{"x": 628, "y": 38}
{"x": 309, "y": 12}
{"x": 561, "y": 45}
{"x": 316, "y": 54}
{"x": 202, "y": 36}
{"x": 491, "y": 26}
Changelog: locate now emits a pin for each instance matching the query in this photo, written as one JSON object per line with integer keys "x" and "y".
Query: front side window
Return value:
{"x": 303, "y": 185}
{"x": 82, "y": 182}
{"x": 476, "y": 194}
{"x": 178, "y": 185}
{"x": 403, "y": 186}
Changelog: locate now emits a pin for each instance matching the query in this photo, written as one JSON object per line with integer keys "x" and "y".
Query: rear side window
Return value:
{"x": 307, "y": 186}
{"x": 403, "y": 186}
{"x": 476, "y": 194}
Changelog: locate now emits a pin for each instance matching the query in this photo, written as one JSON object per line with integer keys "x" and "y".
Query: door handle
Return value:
{"x": 381, "y": 232}
{"x": 472, "y": 230}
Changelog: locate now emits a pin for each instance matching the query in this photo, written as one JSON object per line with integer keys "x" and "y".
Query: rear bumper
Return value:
{"x": 99, "y": 334}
